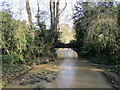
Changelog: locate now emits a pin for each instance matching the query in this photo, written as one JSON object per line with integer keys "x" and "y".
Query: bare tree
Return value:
{"x": 55, "y": 13}
{"x": 119, "y": 14}
{"x": 40, "y": 21}
{"x": 20, "y": 9}
{"x": 29, "y": 13}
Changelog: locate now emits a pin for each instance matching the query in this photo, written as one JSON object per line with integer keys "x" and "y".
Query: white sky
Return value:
{"x": 66, "y": 17}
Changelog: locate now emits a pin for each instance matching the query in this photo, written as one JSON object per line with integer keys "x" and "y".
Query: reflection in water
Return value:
{"x": 76, "y": 73}
{"x": 73, "y": 73}
{"x": 66, "y": 53}
{"x": 67, "y": 70}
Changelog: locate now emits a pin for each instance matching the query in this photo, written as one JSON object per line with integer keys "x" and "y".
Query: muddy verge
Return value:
{"x": 44, "y": 75}
{"x": 111, "y": 73}
{"x": 112, "y": 80}
{"x": 12, "y": 72}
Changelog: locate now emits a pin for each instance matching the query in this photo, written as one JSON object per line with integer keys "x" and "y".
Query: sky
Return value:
{"x": 65, "y": 18}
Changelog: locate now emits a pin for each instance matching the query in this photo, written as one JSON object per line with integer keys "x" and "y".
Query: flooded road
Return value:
{"x": 73, "y": 73}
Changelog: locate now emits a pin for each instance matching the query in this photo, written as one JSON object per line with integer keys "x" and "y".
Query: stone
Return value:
{"x": 37, "y": 80}
{"x": 54, "y": 74}
{"x": 31, "y": 81}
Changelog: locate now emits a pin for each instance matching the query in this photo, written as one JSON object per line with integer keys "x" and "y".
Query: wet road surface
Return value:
{"x": 73, "y": 73}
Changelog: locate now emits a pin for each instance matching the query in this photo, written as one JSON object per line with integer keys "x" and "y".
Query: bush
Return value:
{"x": 12, "y": 58}
{"x": 102, "y": 59}
{"x": 17, "y": 58}
{"x": 19, "y": 42}
{"x": 6, "y": 59}
{"x": 87, "y": 50}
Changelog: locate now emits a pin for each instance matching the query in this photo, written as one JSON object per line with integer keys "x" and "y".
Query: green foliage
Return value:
{"x": 6, "y": 59}
{"x": 87, "y": 50}
{"x": 16, "y": 58}
{"x": 12, "y": 58}
{"x": 98, "y": 31}
{"x": 19, "y": 42}
{"x": 13, "y": 35}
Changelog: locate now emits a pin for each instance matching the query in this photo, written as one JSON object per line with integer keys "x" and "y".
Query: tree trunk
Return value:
{"x": 29, "y": 13}
{"x": 119, "y": 15}
{"x": 57, "y": 15}
{"x": 54, "y": 11}
{"x": 20, "y": 9}
{"x": 54, "y": 16}
{"x": 51, "y": 12}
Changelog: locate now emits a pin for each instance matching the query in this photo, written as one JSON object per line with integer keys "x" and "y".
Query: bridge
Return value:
{"x": 72, "y": 44}
{"x": 63, "y": 45}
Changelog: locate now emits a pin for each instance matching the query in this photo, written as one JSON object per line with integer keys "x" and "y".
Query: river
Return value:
{"x": 73, "y": 73}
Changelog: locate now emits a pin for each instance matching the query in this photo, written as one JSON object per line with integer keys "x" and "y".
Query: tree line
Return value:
{"x": 21, "y": 41}
{"x": 97, "y": 27}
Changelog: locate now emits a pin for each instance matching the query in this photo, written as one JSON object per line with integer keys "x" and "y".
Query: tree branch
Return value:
{"x": 63, "y": 8}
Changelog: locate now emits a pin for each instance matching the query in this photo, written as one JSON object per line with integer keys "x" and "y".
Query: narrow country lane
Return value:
{"x": 73, "y": 73}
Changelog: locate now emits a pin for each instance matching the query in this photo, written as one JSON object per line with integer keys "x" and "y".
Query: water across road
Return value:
{"x": 73, "y": 73}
